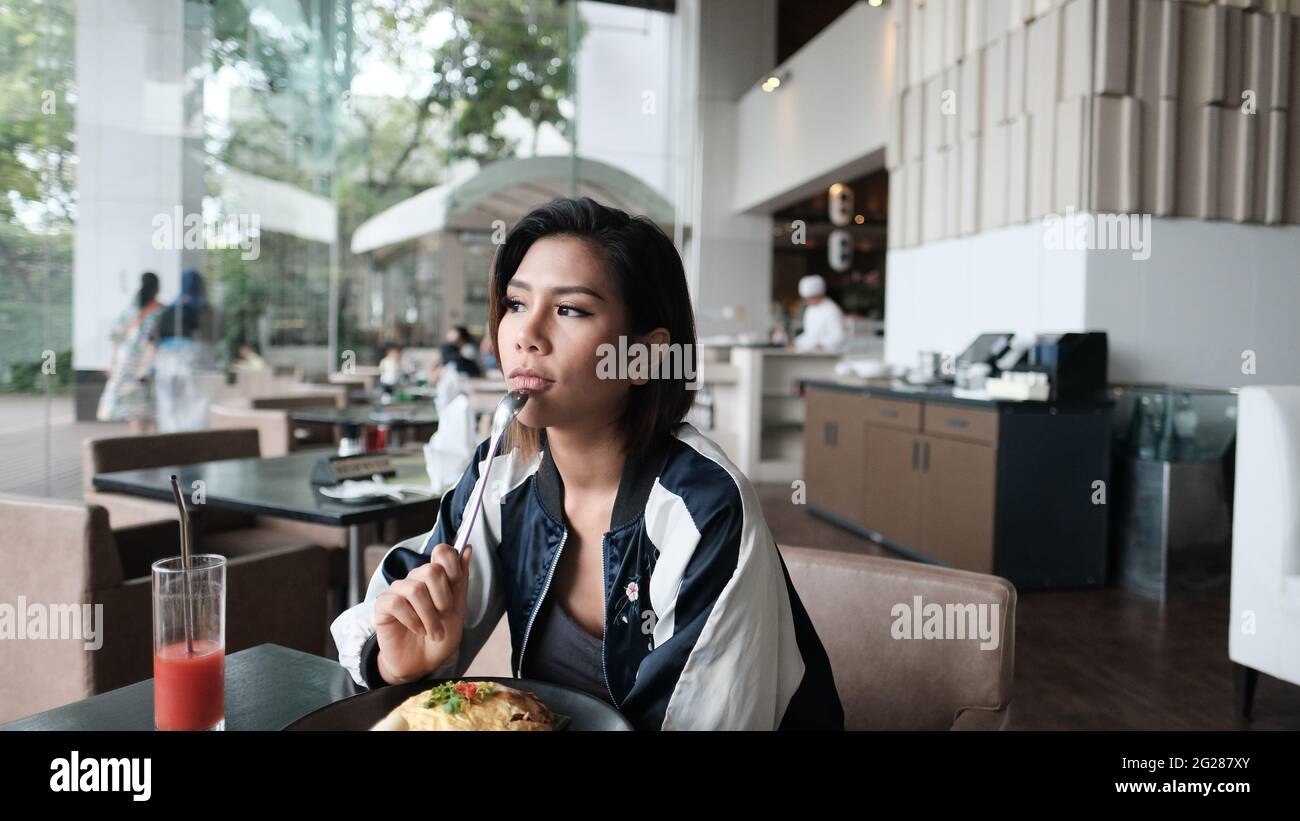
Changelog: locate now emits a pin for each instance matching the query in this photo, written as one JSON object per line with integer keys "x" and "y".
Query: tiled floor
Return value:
{"x": 1097, "y": 659}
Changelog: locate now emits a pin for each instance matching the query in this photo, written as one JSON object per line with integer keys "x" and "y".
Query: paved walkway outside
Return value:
{"x": 42, "y": 445}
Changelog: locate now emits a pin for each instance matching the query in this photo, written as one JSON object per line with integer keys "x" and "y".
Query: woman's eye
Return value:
{"x": 576, "y": 311}
{"x": 510, "y": 304}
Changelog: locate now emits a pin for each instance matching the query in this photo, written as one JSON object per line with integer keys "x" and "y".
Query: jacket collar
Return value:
{"x": 640, "y": 470}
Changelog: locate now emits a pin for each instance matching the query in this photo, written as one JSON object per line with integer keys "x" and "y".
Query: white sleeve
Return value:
{"x": 357, "y": 624}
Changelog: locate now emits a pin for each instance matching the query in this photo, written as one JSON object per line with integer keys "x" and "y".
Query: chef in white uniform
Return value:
{"x": 823, "y": 322}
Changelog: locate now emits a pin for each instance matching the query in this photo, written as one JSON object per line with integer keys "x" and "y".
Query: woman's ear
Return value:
{"x": 653, "y": 347}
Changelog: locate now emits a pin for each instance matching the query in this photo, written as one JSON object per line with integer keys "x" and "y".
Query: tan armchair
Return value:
{"x": 112, "y": 453}
{"x": 224, "y": 531}
{"x": 273, "y": 428}
{"x": 279, "y": 380}
{"x": 885, "y": 683}
{"x": 60, "y": 552}
{"x": 360, "y": 378}
{"x": 269, "y": 415}
{"x": 906, "y": 684}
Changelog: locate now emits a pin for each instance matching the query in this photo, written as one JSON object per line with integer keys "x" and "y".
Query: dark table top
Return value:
{"x": 278, "y": 486}
{"x": 267, "y": 687}
{"x": 403, "y": 415}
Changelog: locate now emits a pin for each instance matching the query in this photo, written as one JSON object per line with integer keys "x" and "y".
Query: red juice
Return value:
{"x": 189, "y": 689}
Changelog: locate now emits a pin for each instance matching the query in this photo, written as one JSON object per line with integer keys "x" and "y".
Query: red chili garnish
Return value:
{"x": 468, "y": 689}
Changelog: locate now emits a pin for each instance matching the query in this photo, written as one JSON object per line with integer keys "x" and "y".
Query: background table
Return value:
{"x": 267, "y": 687}
{"x": 281, "y": 486}
{"x": 397, "y": 417}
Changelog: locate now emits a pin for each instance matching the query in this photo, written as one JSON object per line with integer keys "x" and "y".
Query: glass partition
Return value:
{"x": 304, "y": 180}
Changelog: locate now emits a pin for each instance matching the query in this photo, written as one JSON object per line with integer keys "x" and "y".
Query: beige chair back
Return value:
{"x": 888, "y": 683}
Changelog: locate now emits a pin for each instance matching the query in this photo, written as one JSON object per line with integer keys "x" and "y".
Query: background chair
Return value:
{"x": 61, "y": 552}
{"x": 111, "y": 453}
{"x": 227, "y": 532}
{"x": 885, "y": 683}
{"x": 1264, "y": 625}
{"x": 278, "y": 434}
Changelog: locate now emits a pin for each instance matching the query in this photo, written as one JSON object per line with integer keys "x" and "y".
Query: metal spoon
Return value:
{"x": 507, "y": 409}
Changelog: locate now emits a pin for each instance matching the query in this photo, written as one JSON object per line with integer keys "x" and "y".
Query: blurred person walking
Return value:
{"x": 184, "y": 351}
{"x": 128, "y": 394}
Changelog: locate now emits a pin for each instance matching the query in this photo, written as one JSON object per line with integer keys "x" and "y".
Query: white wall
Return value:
{"x": 941, "y": 295}
{"x": 828, "y": 123}
{"x": 626, "y": 104}
{"x": 1209, "y": 292}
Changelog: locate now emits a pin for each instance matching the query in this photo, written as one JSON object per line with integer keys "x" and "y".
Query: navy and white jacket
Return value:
{"x": 703, "y": 629}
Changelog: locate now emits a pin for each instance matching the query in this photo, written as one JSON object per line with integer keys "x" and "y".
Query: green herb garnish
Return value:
{"x": 452, "y": 695}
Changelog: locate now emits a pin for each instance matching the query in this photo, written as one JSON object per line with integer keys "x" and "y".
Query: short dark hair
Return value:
{"x": 148, "y": 288}
{"x": 641, "y": 261}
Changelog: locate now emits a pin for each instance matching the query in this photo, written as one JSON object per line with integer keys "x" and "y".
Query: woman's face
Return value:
{"x": 560, "y": 308}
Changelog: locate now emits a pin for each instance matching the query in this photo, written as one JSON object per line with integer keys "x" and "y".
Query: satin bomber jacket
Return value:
{"x": 703, "y": 629}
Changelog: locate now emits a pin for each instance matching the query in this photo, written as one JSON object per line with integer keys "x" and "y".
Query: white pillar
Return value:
{"x": 727, "y": 45}
{"x": 140, "y": 155}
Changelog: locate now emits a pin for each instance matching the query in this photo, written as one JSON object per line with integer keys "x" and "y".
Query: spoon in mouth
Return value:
{"x": 507, "y": 409}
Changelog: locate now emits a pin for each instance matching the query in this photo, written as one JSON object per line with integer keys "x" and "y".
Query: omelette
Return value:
{"x": 470, "y": 705}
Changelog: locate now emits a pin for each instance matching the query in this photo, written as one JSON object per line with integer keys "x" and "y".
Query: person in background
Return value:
{"x": 249, "y": 358}
{"x": 390, "y": 367}
{"x": 184, "y": 350}
{"x": 823, "y": 322}
{"x": 128, "y": 394}
{"x": 461, "y": 352}
{"x": 468, "y": 347}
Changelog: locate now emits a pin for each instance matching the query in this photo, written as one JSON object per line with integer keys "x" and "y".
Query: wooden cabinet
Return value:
{"x": 967, "y": 424}
{"x": 834, "y": 464}
{"x": 892, "y": 413}
{"x": 990, "y": 487}
{"x": 932, "y": 494}
{"x": 957, "y": 489}
{"x": 892, "y": 498}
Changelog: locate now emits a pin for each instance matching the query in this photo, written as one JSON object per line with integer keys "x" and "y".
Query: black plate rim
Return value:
{"x": 518, "y": 684}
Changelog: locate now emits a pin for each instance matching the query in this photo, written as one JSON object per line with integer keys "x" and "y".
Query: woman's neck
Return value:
{"x": 588, "y": 460}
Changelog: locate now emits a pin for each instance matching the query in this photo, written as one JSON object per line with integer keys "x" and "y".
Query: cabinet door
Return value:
{"x": 893, "y": 485}
{"x": 958, "y": 482}
{"x": 833, "y": 452}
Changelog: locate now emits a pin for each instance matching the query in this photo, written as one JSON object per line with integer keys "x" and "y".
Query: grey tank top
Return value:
{"x": 564, "y": 653}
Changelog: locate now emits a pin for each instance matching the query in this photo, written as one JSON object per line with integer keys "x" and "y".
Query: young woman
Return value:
{"x": 128, "y": 394}
{"x": 629, "y": 556}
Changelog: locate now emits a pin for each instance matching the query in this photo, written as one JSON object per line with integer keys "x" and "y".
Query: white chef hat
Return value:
{"x": 811, "y": 286}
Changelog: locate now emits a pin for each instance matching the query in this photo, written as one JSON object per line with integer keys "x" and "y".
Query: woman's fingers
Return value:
{"x": 445, "y": 556}
{"x": 440, "y": 588}
{"x": 428, "y": 594}
{"x": 418, "y": 594}
{"x": 392, "y": 606}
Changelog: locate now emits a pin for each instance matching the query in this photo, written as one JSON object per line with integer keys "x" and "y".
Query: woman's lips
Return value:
{"x": 529, "y": 383}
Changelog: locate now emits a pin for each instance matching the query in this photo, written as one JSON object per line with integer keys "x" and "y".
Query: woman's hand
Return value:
{"x": 419, "y": 620}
